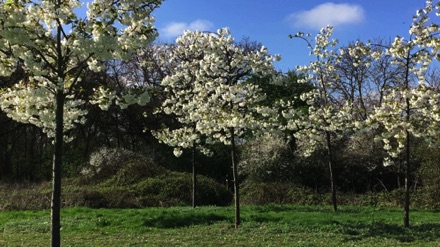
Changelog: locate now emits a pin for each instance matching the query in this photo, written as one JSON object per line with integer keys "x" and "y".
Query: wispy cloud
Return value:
{"x": 327, "y": 14}
{"x": 175, "y": 29}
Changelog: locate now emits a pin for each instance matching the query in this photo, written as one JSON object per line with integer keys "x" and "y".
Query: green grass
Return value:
{"x": 271, "y": 225}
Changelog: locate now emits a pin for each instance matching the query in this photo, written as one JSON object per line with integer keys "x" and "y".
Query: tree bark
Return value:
{"x": 194, "y": 177}
{"x": 408, "y": 153}
{"x": 330, "y": 166}
{"x": 56, "y": 170}
{"x": 407, "y": 194}
{"x": 58, "y": 146}
{"x": 235, "y": 174}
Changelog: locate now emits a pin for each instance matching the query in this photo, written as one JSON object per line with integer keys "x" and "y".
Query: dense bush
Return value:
{"x": 117, "y": 178}
{"x": 134, "y": 171}
{"x": 24, "y": 196}
{"x": 106, "y": 162}
{"x": 158, "y": 191}
{"x": 169, "y": 189}
{"x": 267, "y": 158}
{"x": 258, "y": 193}
{"x": 177, "y": 187}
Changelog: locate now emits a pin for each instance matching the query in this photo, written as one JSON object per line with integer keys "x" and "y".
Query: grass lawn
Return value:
{"x": 271, "y": 225}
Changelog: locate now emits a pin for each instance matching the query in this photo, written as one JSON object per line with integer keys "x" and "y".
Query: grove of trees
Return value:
{"x": 361, "y": 118}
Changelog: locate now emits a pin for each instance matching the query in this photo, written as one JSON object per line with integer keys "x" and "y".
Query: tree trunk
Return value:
{"x": 407, "y": 195}
{"x": 235, "y": 174}
{"x": 56, "y": 170}
{"x": 407, "y": 154}
{"x": 330, "y": 166}
{"x": 58, "y": 146}
{"x": 194, "y": 176}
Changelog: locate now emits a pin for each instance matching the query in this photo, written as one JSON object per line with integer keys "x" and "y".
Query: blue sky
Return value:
{"x": 271, "y": 21}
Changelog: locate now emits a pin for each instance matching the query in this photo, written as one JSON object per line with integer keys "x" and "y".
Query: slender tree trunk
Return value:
{"x": 330, "y": 166}
{"x": 17, "y": 164}
{"x": 26, "y": 164}
{"x": 235, "y": 174}
{"x": 58, "y": 147}
{"x": 408, "y": 151}
{"x": 56, "y": 169}
{"x": 407, "y": 195}
{"x": 194, "y": 177}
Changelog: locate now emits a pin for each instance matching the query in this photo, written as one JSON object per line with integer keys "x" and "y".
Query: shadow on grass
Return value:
{"x": 177, "y": 220}
{"x": 425, "y": 232}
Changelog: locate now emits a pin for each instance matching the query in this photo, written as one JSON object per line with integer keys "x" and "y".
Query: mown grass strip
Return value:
{"x": 271, "y": 225}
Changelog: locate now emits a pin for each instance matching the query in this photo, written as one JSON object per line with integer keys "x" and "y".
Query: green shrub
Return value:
{"x": 259, "y": 193}
{"x": 212, "y": 193}
{"x": 134, "y": 171}
{"x": 118, "y": 178}
{"x": 106, "y": 162}
{"x": 134, "y": 186}
{"x": 426, "y": 198}
{"x": 176, "y": 188}
{"x": 92, "y": 198}
{"x": 267, "y": 158}
{"x": 25, "y": 196}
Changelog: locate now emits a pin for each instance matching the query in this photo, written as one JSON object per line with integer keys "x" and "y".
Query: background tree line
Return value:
{"x": 367, "y": 110}
{"x": 26, "y": 151}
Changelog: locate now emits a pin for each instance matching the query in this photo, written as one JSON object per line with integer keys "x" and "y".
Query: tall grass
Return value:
{"x": 271, "y": 225}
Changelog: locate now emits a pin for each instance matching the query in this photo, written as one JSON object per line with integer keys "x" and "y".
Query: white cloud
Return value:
{"x": 327, "y": 14}
{"x": 175, "y": 29}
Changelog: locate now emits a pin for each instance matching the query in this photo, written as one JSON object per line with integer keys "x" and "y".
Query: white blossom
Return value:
{"x": 323, "y": 116}
{"x": 52, "y": 44}
{"x": 206, "y": 91}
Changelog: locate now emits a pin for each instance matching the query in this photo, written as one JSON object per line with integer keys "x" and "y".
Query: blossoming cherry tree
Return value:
{"x": 54, "y": 45}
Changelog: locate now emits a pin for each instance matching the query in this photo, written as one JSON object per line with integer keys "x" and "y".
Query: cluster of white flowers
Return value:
{"x": 326, "y": 113}
{"x": 52, "y": 45}
{"x": 207, "y": 89}
{"x": 182, "y": 138}
{"x": 408, "y": 109}
{"x": 411, "y": 109}
{"x": 35, "y": 104}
